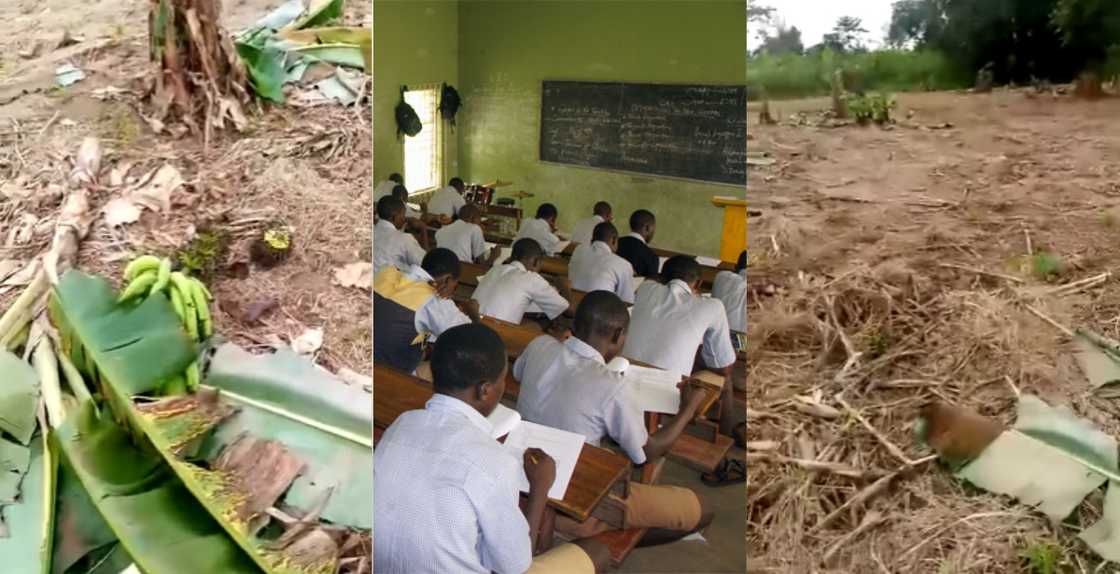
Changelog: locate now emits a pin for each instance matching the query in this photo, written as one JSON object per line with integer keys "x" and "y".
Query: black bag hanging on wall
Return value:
{"x": 449, "y": 103}
{"x": 408, "y": 122}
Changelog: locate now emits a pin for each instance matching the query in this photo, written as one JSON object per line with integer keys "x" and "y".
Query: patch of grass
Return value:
{"x": 876, "y": 344}
{"x": 1046, "y": 265}
{"x": 799, "y": 76}
{"x": 1109, "y": 219}
{"x": 1043, "y": 557}
{"x": 119, "y": 124}
{"x": 204, "y": 254}
{"x": 870, "y": 108}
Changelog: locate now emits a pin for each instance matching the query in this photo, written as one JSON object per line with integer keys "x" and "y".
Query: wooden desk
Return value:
{"x": 516, "y": 337}
{"x": 597, "y": 471}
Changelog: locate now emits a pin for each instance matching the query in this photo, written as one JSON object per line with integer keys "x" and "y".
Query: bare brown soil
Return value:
{"x": 893, "y": 269}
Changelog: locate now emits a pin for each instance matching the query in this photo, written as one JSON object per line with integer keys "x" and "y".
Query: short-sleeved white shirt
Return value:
{"x": 541, "y": 231}
{"x": 506, "y": 291}
{"x": 584, "y": 229}
{"x": 731, "y": 289}
{"x": 465, "y": 239}
{"x": 446, "y": 201}
{"x": 595, "y": 267}
{"x": 669, "y": 322}
{"x": 391, "y": 246}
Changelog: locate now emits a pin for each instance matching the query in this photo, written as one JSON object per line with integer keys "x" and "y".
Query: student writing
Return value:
{"x": 595, "y": 266}
{"x": 635, "y": 246}
{"x": 446, "y": 493}
{"x": 542, "y": 229}
{"x": 583, "y": 229}
{"x": 464, "y": 237}
{"x": 447, "y": 201}
{"x": 506, "y": 291}
{"x": 567, "y": 385}
{"x": 414, "y": 306}
{"x": 730, "y": 288}
{"x": 393, "y": 247}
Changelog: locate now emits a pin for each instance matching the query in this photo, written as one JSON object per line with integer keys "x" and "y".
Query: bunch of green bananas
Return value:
{"x": 148, "y": 275}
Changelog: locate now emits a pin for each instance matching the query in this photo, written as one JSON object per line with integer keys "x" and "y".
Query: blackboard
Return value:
{"x": 676, "y": 130}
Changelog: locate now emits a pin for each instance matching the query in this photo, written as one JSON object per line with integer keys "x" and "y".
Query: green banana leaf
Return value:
{"x": 323, "y": 421}
{"x": 266, "y": 64}
{"x": 15, "y": 460}
{"x": 318, "y": 12}
{"x": 82, "y": 538}
{"x": 1050, "y": 460}
{"x": 19, "y": 395}
{"x": 137, "y": 347}
{"x": 173, "y": 425}
{"x": 157, "y": 520}
{"x": 30, "y": 521}
{"x": 332, "y": 35}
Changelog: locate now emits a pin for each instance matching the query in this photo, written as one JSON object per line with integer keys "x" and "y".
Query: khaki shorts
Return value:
{"x": 662, "y": 506}
{"x": 563, "y": 559}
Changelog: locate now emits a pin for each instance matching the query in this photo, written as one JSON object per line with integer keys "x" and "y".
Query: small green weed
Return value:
{"x": 1046, "y": 265}
{"x": 870, "y": 108}
{"x": 1043, "y": 557}
{"x": 202, "y": 256}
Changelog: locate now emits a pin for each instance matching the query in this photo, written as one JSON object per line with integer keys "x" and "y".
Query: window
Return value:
{"x": 423, "y": 157}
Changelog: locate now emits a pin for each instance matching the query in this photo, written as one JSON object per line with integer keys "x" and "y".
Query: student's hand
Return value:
{"x": 540, "y": 469}
{"x": 692, "y": 396}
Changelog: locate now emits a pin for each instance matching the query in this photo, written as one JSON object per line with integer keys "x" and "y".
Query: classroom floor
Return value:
{"x": 724, "y": 550}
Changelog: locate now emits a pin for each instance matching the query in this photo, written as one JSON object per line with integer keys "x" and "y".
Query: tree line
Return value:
{"x": 1014, "y": 40}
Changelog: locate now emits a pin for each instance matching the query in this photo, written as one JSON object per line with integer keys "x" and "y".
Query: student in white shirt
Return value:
{"x": 506, "y": 291}
{"x": 730, "y": 288}
{"x": 595, "y": 267}
{"x": 567, "y": 385}
{"x": 582, "y": 230}
{"x": 446, "y": 494}
{"x": 386, "y": 187}
{"x": 670, "y": 321}
{"x": 391, "y": 246}
{"x": 413, "y": 307}
{"x": 542, "y": 229}
{"x": 447, "y": 201}
{"x": 464, "y": 236}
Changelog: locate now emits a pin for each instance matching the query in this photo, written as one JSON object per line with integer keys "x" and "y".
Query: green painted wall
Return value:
{"x": 414, "y": 42}
{"x": 507, "y": 48}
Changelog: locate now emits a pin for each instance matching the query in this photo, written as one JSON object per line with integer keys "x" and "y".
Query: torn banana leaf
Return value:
{"x": 19, "y": 396}
{"x": 1099, "y": 358}
{"x": 159, "y": 523}
{"x": 30, "y": 520}
{"x": 175, "y": 426}
{"x": 323, "y": 421}
{"x": 1051, "y": 460}
{"x": 349, "y": 55}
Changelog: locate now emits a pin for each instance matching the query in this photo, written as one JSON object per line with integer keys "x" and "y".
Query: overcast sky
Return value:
{"x": 816, "y": 17}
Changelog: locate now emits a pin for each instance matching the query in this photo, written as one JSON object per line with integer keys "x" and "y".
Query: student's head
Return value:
{"x": 548, "y": 212}
{"x": 470, "y": 213}
{"x": 684, "y": 268}
{"x": 443, "y": 265}
{"x": 603, "y": 209}
{"x": 391, "y": 209}
{"x": 528, "y": 252}
{"x": 400, "y": 193}
{"x": 469, "y": 363}
{"x": 396, "y": 177}
{"x": 457, "y": 183}
{"x": 602, "y": 321}
{"x": 643, "y": 223}
{"x": 741, "y": 263}
{"x": 607, "y": 233}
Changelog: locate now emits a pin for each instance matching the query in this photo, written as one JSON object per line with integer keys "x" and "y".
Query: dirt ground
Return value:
{"x": 308, "y": 168}
{"x": 892, "y": 268}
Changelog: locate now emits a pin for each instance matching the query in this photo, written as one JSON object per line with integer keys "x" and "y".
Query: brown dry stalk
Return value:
{"x": 1011, "y": 278}
{"x": 870, "y": 520}
{"x": 886, "y": 442}
{"x": 812, "y": 465}
{"x": 873, "y": 490}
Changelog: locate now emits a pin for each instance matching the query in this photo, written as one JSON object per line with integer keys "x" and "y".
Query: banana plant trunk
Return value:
{"x": 200, "y": 81}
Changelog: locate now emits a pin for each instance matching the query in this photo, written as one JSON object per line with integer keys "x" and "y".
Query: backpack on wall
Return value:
{"x": 408, "y": 122}
{"x": 449, "y": 103}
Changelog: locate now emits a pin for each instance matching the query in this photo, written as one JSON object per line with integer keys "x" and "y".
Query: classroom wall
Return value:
{"x": 414, "y": 42}
{"x": 506, "y": 49}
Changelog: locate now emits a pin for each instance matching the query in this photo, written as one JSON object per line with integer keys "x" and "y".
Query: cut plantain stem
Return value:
{"x": 46, "y": 364}
{"x": 20, "y": 313}
{"x": 74, "y": 378}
